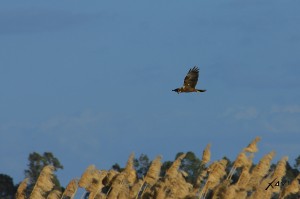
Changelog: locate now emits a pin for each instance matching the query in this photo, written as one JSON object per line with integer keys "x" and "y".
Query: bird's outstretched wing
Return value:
{"x": 191, "y": 78}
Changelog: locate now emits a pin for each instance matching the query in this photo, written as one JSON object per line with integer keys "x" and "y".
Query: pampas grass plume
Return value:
{"x": 206, "y": 154}
{"x": 252, "y": 147}
{"x": 55, "y": 194}
{"x": 43, "y": 184}
{"x": 154, "y": 171}
{"x": 172, "y": 171}
{"x": 71, "y": 189}
{"x": 21, "y": 189}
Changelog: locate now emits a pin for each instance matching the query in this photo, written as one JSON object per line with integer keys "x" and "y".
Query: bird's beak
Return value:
{"x": 176, "y": 90}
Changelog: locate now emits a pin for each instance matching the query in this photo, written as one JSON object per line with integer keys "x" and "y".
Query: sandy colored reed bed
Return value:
{"x": 212, "y": 182}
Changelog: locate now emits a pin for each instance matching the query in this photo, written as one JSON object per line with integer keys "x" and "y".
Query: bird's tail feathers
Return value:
{"x": 200, "y": 90}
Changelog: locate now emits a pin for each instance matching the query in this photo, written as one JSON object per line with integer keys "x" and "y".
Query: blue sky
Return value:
{"x": 91, "y": 82}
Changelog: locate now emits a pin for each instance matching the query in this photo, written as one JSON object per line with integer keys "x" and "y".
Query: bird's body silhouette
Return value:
{"x": 190, "y": 82}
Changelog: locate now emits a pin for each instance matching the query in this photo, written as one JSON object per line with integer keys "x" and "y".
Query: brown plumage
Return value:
{"x": 190, "y": 81}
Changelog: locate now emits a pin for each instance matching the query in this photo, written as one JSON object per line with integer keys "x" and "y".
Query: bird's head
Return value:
{"x": 176, "y": 90}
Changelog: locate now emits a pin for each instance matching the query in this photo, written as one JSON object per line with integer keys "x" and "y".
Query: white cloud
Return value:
{"x": 286, "y": 109}
{"x": 241, "y": 113}
{"x": 283, "y": 124}
{"x": 283, "y": 149}
{"x": 78, "y": 133}
{"x": 83, "y": 119}
{"x": 246, "y": 113}
{"x": 275, "y": 119}
{"x": 283, "y": 119}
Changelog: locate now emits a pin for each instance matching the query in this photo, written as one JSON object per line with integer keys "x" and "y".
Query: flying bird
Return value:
{"x": 190, "y": 82}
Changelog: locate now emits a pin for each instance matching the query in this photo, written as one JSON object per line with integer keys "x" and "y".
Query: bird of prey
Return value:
{"x": 190, "y": 82}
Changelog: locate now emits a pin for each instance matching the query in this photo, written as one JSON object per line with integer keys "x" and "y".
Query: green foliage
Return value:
{"x": 297, "y": 163}
{"x": 7, "y": 188}
{"x": 117, "y": 167}
{"x": 229, "y": 164}
{"x": 164, "y": 167}
{"x": 141, "y": 165}
{"x": 37, "y": 163}
{"x": 236, "y": 174}
{"x": 290, "y": 172}
{"x": 191, "y": 165}
{"x": 292, "y": 196}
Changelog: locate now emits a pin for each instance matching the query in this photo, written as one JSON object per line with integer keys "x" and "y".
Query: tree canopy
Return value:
{"x": 7, "y": 188}
{"x": 37, "y": 162}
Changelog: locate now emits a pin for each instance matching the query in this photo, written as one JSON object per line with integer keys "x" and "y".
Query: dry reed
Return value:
{"x": 43, "y": 184}
{"x": 279, "y": 172}
{"x": 172, "y": 171}
{"x": 206, "y": 154}
{"x": 241, "y": 160}
{"x": 117, "y": 185}
{"x": 252, "y": 147}
{"x": 96, "y": 185}
{"x": 87, "y": 176}
{"x": 244, "y": 178}
{"x": 260, "y": 170}
{"x": 129, "y": 170}
{"x": 21, "y": 189}
{"x": 292, "y": 188}
{"x": 54, "y": 194}
{"x": 154, "y": 170}
{"x": 216, "y": 173}
{"x": 71, "y": 189}
{"x": 211, "y": 180}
